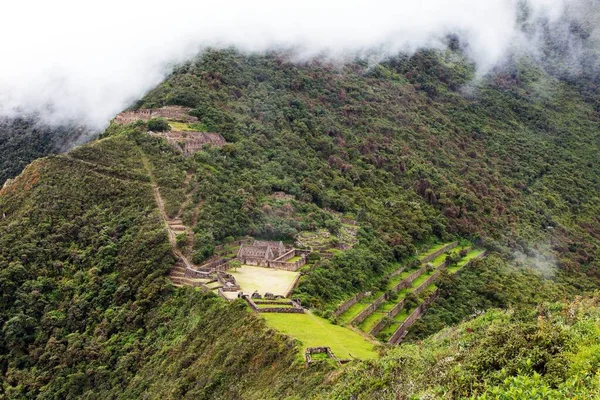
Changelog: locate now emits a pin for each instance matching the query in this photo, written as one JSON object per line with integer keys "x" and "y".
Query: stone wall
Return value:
{"x": 222, "y": 295}
{"x": 416, "y": 314}
{"x": 288, "y": 266}
{"x": 420, "y": 310}
{"x": 398, "y": 307}
{"x": 397, "y": 272}
{"x": 292, "y": 286}
{"x": 228, "y": 281}
{"x": 216, "y": 265}
{"x": 369, "y": 310}
{"x": 406, "y": 282}
{"x": 286, "y": 256}
{"x": 190, "y": 273}
{"x": 441, "y": 251}
{"x": 170, "y": 112}
{"x": 391, "y": 314}
{"x": 318, "y": 350}
{"x": 189, "y": 142}
{"x": 342, "y": 308}
{"x": 294, "y": 309}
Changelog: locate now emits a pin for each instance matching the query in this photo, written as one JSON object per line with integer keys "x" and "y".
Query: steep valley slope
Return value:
{"x": 415, "y": 151}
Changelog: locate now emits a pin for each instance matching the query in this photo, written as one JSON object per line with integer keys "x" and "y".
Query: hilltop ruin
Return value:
{"x": 189, "y": 142}
{"x": 175, "y": 113}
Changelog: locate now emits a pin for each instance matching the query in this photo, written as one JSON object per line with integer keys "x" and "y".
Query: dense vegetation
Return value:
{"x": 400, "y": 148}
{"x": 412, "y": 149}
{"x": 546, "y": 353}
{"x": 22, "y": 140}
{"x": 86, "y": 309}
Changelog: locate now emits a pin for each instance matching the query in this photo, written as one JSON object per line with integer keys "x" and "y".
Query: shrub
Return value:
{"x": 158, "y": 125}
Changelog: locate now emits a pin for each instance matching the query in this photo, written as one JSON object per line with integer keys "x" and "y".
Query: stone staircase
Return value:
{"x": 213, "y": 284}
{"x": 177, "y": 226}
{"x": 177, "y": 276}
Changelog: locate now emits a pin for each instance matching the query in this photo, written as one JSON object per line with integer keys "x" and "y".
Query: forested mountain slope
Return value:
{"x": 86, "y": 306}
{"x": 401, "y": 147}
{"x": 415, "y": 150}
{"x": 24, "y": 139}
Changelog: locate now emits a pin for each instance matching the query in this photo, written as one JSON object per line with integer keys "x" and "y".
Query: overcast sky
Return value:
{"x": 84, "y": 60}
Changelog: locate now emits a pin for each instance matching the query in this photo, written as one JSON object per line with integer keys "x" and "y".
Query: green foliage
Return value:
{"x": 533, "y": 354}
{"x": 399, "y": 147}
{"x": 158, "y": 125}
{"x": 86, "y": 310}
{"x": 181, "y": 240}
{"x": 22, "y": 140}
{"x": 204, "y": 245}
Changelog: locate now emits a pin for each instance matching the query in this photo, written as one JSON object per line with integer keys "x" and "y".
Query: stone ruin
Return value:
{"x": 260, "y": 252}
{"x": 255, "y": 301}
{"x": 228, "y": 281}
{"x": 308, "y": 353}
{"x": 269, "y": 254}
{"x": 175, "y": 113}
{"x": 191, "y": 142}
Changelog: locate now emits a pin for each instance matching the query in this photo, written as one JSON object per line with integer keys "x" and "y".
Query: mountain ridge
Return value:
{"x": 88, "y": 311}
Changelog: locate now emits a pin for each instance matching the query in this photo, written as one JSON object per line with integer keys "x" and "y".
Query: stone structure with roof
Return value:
{"x": 270, "y": 254}
{"x": 260, "y": 252}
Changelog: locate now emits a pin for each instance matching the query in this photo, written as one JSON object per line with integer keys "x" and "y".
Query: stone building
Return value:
{"x": 260, "y": 252}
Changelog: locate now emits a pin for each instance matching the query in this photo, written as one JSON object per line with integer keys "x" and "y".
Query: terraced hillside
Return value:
{"x": 371, "y": 164}
{"x": 384, "y": 313}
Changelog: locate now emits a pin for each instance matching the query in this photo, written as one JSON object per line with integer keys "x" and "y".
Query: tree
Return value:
{"x": 158, "y": 125}
{"x": 235, "y": 264}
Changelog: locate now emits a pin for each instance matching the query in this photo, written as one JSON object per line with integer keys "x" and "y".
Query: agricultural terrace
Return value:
{"x": 349, "y": 315}
{"x": 382, "y": 318}
{"x": 313, "y": 331}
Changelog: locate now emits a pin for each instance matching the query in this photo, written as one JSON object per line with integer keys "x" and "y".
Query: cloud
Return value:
{"x": 70, "y": 60}
{"x": 541, "y": 260}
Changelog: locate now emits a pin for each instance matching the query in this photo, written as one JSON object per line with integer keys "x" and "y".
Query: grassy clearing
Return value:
{"x": 398, "y": 319}
{"x": 213, "y": 285}
{"x": 263, "y": 280}
{"x": 442, "y": 257}
{"x": 179, "y": 126}
{"x": 439, "y": 259}
{"x": 382, "y": 311}
{"x": 352, "y": 312}
{"x": 313, "y": 331}
{"x": 422, "y": 278}
{"x": 465, "y": 260}
{"x": 398, "y": 278}
{"x": 294, "y": 259}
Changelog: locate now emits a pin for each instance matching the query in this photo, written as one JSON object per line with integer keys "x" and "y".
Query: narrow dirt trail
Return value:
{"x": 161, "y": 206}
{"x": 188, "y": 196}
{"x": 102, "y": 170}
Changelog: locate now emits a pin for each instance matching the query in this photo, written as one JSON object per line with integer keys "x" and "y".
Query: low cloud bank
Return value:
{"x": 69, "y": 60}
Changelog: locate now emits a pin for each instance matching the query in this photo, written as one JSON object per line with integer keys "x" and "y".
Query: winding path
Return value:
{"x": 171, "y": 233}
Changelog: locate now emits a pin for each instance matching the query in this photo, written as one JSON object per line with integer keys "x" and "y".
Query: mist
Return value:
{"x": 540, "y": 260}
{"x": 70, "y": 61}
